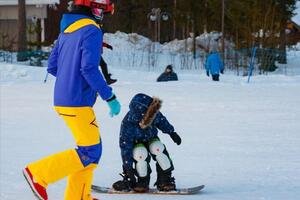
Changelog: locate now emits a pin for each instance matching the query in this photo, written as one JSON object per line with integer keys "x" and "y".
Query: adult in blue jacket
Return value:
{"x": 139, "y": 140}
{"x": 74, "y": 62}
{"x": 214, "y": 65}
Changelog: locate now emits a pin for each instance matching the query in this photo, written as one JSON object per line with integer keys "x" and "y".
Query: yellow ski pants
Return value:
{"x": 76, "y": 164}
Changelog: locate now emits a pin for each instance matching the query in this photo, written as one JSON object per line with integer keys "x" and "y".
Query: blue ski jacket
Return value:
{"x": 214, "y": 63}
{"x": 74, "y": 61}
{"x": 131, "y": 133}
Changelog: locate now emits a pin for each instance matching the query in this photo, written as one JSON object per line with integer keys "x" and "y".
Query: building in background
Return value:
{"x": 293, "y": 33}
{"x": 37, "y": 12}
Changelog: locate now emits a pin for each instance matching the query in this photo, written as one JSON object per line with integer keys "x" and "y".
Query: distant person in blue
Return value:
{"x": 214, "y": 65}
{"x": 168, "y": 75}
{"x": 139, "y": 142}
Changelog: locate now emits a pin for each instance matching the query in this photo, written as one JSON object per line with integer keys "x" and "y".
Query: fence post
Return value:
{"x": 251, "y": 65}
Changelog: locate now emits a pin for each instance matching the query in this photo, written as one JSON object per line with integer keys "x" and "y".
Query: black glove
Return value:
{"x": 222, "y": 71}
{"x": 176, "y": 138}
{"x": 207, "y": 73}
{"x": 109, "y": 47}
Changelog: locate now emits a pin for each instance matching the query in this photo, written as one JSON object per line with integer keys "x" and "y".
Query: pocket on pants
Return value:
{"x": 82, "y": 123}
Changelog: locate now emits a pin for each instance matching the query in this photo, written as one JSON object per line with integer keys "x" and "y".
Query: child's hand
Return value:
{"x": 176, "y": 138}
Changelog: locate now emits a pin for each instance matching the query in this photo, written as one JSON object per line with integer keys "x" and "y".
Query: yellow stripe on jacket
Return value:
{"x": 80, "y": 24}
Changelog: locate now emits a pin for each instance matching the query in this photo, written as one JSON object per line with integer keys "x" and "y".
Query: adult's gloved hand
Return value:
{"x": 114, "y": 105}
{"x": 207, "y": 73}
{"x": 222, "y": 71}
{"x": 176, "y": 138}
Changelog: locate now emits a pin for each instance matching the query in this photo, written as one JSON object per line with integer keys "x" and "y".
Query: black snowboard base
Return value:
{"x": 178, "y": 191}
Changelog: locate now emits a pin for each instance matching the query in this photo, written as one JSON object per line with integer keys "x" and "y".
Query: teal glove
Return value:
{"x": 114, "y": 105}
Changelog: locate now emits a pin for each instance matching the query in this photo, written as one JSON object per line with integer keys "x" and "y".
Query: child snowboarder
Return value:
{"x": 74, "y": 62}
{"x": 139, "y": 141}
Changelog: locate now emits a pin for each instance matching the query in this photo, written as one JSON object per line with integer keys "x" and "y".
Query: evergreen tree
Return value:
{"x": 247, "y": 22}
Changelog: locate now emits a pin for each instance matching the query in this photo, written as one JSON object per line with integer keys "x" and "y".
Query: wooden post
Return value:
{"x": 21, "y": 25}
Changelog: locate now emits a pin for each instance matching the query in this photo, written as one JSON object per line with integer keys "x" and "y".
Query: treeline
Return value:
{"x": 246, "y": 22}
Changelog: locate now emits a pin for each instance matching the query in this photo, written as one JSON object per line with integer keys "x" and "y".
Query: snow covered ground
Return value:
{"x": 240, "y": 140}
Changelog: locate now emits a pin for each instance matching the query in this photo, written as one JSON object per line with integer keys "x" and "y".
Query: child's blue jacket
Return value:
{"x": 131, "y": 133}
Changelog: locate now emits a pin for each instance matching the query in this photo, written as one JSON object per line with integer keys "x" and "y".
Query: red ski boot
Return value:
{"x": 38, "y": 190}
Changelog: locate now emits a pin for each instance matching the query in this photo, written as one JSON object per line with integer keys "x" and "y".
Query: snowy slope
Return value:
{"x": 240, "y": 140}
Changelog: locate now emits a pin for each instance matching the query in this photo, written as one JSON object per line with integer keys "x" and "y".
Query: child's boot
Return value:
{"x": 165, "y": 181}
{"x": 142, "y": 184}
{"x": 128, "y": 182}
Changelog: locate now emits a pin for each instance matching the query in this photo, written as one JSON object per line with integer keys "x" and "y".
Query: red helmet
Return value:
{"x": 99, "y": 7}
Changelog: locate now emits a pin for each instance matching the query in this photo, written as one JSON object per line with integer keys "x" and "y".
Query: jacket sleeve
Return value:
{"x": 91, "y": 50}
{"x": 52, "y": 61}
{"x": 175, "y": 77}
{"x": 163, "y": 124}
{"x": 162, "y": 78}
{"x": 126, "y": 145}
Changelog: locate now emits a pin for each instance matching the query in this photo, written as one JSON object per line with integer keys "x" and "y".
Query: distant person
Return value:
{"x": 168, "y": 75}
{"x": 214, "y": 65}
{"x": 104, "y": 69}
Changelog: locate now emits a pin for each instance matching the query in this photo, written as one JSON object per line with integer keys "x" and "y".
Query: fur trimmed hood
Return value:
{"x": 151, "y": 113}
{"x": 143, "y": 109}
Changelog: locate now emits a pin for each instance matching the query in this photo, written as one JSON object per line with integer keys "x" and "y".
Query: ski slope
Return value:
{"x": 240, "y": 140}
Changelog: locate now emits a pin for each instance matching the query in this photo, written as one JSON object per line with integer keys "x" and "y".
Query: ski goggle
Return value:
{"x": 107, "y": 8}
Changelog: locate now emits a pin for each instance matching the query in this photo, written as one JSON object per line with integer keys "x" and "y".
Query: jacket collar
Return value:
{"x": 73, "y": 22}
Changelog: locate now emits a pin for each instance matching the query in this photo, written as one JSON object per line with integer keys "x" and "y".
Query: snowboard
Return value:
{"x": 178, "y": 191}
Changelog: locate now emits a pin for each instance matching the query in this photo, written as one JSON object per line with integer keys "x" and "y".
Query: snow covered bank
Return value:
{"x": 124, "y": 42}
{"x": 133, "y": 51}
{"x": 240, "y": 140}
{"x": 136, "y": 52}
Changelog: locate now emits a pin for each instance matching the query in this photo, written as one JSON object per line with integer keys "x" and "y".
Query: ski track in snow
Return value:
{"x": 240, "y": 140}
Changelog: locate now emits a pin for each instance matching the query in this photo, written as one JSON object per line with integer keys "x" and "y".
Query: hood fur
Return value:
{"x": 151, "y": 113}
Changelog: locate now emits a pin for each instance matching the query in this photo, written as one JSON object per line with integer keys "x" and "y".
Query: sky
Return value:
{"x": 296, "y": 18}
